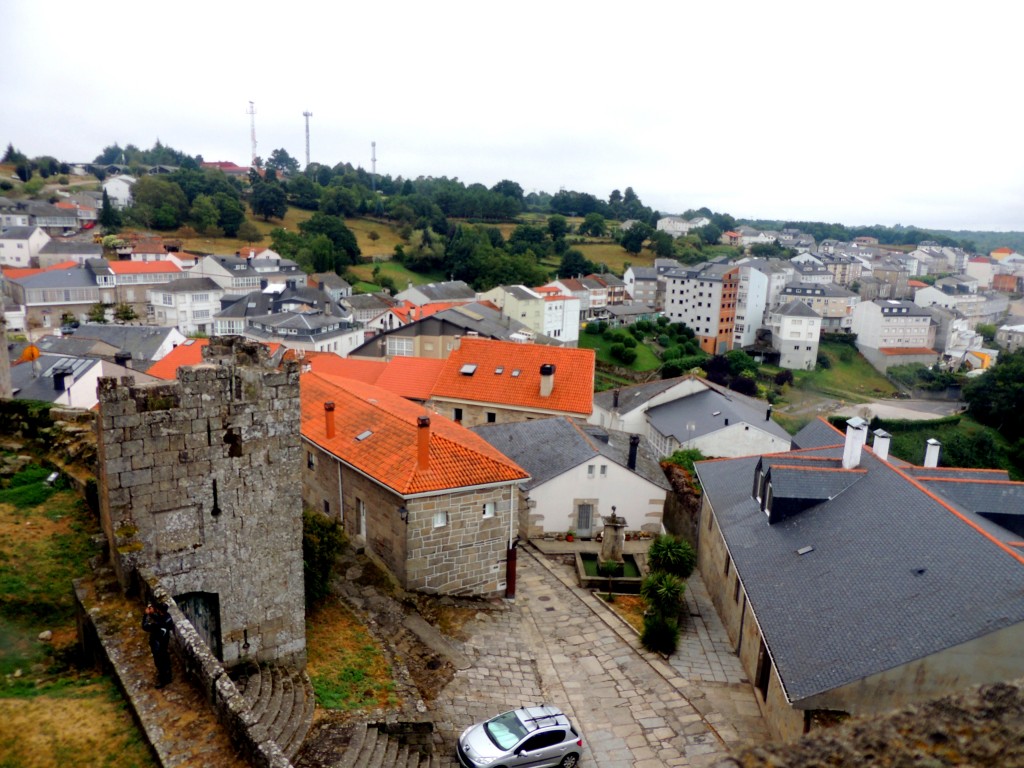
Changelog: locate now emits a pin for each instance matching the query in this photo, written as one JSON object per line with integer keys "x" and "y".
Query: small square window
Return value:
{"x": 457, "y": 414}
{"x": 489, "y": 508}
{"x": 590, "y": 470}
{"x": 327, "y": 507}
{"x": 491, "y": 417}
{"x": 441, "y": 519}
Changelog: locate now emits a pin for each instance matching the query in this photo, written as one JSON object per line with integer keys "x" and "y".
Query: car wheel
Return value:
{"x": 570, "y": 760}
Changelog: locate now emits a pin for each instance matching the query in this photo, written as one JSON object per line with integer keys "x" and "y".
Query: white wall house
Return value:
{"x": 20, "y": 245}
{"x": 796, "y": 330}
{"x": 188, "y": 304}
{"x": 119, "y": 190}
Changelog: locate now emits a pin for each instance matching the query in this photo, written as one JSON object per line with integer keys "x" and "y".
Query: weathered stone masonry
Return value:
{"x": 200, "y": 482}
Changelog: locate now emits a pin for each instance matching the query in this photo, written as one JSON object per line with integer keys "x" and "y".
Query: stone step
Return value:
{"x": 360, "y": 733}
{"x": 376, "y": 758}
{"x": 292, "y": 732}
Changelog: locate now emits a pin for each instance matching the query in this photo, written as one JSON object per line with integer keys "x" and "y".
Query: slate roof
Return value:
{"x": 452, "y": 290}
{"x": 142, "y": 341}
{"x": 507, "y": 373}
{"x": 388, "y": 451}
{"x": 797, "y": 308}
{"x": 546, "y": 448}
{"x": 631, "y": 398}
{"x": 707, "y": 411}
{"x": 17, "y": 233}
{"x": 27, "y": 386}
{"x": 896, "y": 572}
{"x": 190, "y": 285}
{"x": 817, "y": 433}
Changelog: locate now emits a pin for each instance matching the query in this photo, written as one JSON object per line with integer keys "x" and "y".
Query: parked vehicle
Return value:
{"x": 529, "y": 736}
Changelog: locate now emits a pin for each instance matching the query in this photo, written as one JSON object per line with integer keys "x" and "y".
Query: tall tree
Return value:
{"x": 282, "y": 161}
{"x": 268, "y": 200}
{"x": 110, "y": 217}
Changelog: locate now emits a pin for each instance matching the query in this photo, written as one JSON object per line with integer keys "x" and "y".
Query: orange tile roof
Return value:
{"x": 143, "y": 267}
{"x": 572, "y": 393}
{"x": 13, "y": 273}
{"x": 388, "y": 452}
{"x": 366, "y": 371}
{"x": 409, "y": 312}
{"x": 188, "y": 353}
{"x": 906, "y": 351}
{"x": 409, "y": 377}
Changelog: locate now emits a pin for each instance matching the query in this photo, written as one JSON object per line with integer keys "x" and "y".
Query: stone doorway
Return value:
{"x": 202, "y": 609}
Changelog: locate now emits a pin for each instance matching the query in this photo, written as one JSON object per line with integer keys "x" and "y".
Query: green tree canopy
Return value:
{"x": 268, "y": 200}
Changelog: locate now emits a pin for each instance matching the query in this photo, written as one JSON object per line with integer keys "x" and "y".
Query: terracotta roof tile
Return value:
{"x": 388, "y": 450}
{"x": 494, "y": 380}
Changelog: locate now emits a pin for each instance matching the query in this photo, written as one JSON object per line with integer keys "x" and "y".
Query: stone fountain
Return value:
{"x": 614, "y": 536}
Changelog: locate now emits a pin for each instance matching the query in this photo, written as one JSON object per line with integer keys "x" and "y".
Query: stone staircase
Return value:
{"x": 282, "y": 701}
{"x": 380, "y": 745}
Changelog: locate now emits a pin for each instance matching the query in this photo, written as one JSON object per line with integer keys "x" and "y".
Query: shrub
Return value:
{"x": 629, "y": 341}
{"x": 617, "y": 349}
{"x": 664, "y": 340}
{"x": 660, "y": 634}
{"x": 672, "y": 555}
{"x": 663, "y": 593}
{"x": 629, "y": 356}
{"x": 784, "y": 377}
{"x": 823, "y": 361}
{"x": 322, "y": 539}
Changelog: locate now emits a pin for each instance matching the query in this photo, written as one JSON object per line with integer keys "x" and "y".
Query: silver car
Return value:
{"x": 529, "y": 736}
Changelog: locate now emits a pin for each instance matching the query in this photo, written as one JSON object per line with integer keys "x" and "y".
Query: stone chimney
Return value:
{"x": 856, "y": 437}
{"x": 423, "y": 442}
{"x": 881, "y": 444}
{"x": 931, "y": 452}
{"x": 547, "y": 379}
{"x": 329, "y": 418}
{"x": 634, "y": 444}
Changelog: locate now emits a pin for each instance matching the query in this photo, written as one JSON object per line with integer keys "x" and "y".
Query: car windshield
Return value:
{"x": 505, "y": 730}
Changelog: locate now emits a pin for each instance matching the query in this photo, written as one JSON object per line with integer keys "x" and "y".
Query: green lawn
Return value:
{"x": 850, "y": 377}
{"x": 646, "y": 360}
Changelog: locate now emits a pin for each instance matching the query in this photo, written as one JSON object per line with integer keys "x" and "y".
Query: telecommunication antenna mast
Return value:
{"x": 373, "y": 167}
{"x": 307, "y": 115}
{"x": 251, "y": 111}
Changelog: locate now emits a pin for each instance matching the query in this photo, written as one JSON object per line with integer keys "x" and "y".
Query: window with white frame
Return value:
{"x": 590, "y": 470}
{"x": 489, "y": 508}
{"x": 604, "y": 470}
{"x": 400, "y": 347}
{"x": 441, "y": 519}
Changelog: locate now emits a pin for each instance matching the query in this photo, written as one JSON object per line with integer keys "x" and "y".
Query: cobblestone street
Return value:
{"x": 559, "y": 644}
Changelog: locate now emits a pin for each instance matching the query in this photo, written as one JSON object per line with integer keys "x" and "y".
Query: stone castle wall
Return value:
{"x": 200, "y": 482}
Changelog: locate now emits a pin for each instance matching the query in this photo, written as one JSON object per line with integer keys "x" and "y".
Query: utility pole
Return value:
{"x": 307, "y": 115}
{"x": 252, "y": 131}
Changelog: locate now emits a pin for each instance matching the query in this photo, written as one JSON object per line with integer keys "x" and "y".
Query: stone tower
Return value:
{"x": 200, "y": 484}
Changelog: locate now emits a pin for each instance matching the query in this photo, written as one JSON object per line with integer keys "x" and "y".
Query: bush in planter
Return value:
{"x": 609, "y": 568}
{"x": 663, "y": 593}
{"x": 660, "y": 634}
{"x": 672, "y": 555}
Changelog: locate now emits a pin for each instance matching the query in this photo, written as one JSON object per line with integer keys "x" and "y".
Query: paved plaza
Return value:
{"x": 559, "y": 644}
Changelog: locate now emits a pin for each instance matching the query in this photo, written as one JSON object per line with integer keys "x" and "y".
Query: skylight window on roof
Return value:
{"x": 499, "y": 370}
{"x": 363, "y": 435}
{"x": 805, "y": 550}
{"x": 468, "y": 369}
{"x": 515, "y": 373}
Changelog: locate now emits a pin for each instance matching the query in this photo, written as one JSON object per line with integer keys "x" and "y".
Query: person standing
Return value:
{"x": 157, "y": 622}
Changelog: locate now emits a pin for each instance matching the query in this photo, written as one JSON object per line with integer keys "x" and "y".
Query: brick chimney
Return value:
{"x": 634, "y": 444}
{"x": 547, "y": 379}
{"x": 931, "y": 452}
{"x": 856, "y": 437}
{"x": 329, "y": 418}
{"x": 423, "y": 442}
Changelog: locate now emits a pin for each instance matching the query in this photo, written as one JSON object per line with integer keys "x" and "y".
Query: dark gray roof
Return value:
{"x": 546, "y": 448}
{"x": 636, "y": 396}
{"x": 142, "y": 341}
{"x": 894, "y": 575}
{"x": 17, "y": 233}
{"x": 70, "y": 277}
{"x": 797, "y": 308}
{"x": 708, "y": 411}
{"x": 262, "y": 303}
{"x": 190, "y": 285}
{"x": 817, "y": 434}
{"x": 452, "y": 290}
{"x": 61, "y": 248}
{"x": 367, "y": 301}
{"x": 644, "y": 273}
{"x": 26, "y": 385}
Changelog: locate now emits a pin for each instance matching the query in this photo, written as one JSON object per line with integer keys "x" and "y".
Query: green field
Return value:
{"x": 850, "y": 378}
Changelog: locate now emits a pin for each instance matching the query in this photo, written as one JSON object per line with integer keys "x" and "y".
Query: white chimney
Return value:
{"x": 931, "y": 452}
{"x": 856, "y": 437}
{"x": 547, "y": 379}
{"x": 881, "y": 444}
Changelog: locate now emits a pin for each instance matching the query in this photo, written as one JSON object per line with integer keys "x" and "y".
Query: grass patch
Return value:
{"x": 87, "y": 725}
{"x": 631, "y": 608}
{"x": 387, "y": 237}
{"x": 347, "y": 668}
{"x": 646, "y": 360}
{"x": 613, "y": 255}
{"x": 850, "y": 376}
{"x": 396, "y": 272}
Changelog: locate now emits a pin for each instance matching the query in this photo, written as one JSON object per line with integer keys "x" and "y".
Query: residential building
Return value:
{"x": 240, "y": 276}
{"x": 578, "y": 474}
{"x": 690, "y": 412}
{"x": 892, "y": 332}
{"x": 833, "y": 569}
{"x": 1011, "y": 337}
{"x": 615, "y": 287}
{"x": 677, "y": 226}
{"x": 977, "y": 306}
{"x": 119, "y": 190}
{"x": 642, "y": 284}
{"x": 64, "y": 380}
{"x": 833, "y": 303}
{"x": 333, "y": 284}
{"x": 704, "y": 298}
{"x": 450, "y": 291}
{"x": 20, "y": 246}
{"x": 895, "y": 274}
{"x": 411, "y": 486}
{"x": 493, "y": 382}
{"x": 366, "y": 307}
{"x": 60, "y": 251}
{"x": 545, "y": 311}
{"x": 796, "y": 330}
{"x": 188, "y": 304}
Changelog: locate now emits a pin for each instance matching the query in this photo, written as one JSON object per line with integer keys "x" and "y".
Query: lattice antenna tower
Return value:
{"x": 307, "y": 115}
{"x": 251, "y": 111}
{"x": 373, "y": 167}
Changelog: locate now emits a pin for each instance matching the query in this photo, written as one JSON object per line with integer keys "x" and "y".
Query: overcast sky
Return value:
{"x": 855, "y": 112}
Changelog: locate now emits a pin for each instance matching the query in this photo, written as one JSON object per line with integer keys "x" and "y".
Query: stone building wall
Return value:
{"x": 473, "y": 415}
{"x": 199, "y": 482}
